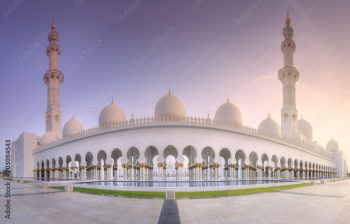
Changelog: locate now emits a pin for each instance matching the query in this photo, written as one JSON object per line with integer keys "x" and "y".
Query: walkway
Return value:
{"x": 328, "y": 203}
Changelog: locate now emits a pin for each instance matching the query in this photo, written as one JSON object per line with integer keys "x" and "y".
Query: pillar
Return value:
{"x": 269, "y": 168}
{"x": 211, "y": 172}
{"x": 246, "y": 172}
{"x": 233, "y": 171}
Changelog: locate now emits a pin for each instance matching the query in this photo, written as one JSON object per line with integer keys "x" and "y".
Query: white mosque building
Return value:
{"x": 277, "y": 151}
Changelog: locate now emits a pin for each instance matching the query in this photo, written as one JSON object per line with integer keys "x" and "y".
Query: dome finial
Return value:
{"x": 228, "y": 99}
{"x": 332, "y": 138}
{"x": 208, "y": 114}
{"x": 73, "y": 117}
{"x": 288, "y": 19}
{"x": 112, "y": 101}
{"x": 53, "y": 26}
{"x": 132, "y": 114}
{"x": 169, "y": 92}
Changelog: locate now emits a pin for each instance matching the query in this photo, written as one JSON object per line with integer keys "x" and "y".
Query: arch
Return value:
{"x": 88, "y": 159}
{"x": 101, "y": 155}
{"x": 264, "y": 157}
{"x": 54, "y": 163}
{"x": 226, "y": 155}
{"x": 68, "y": 160}
{"x": 191, "y": 153}
{"x": 77, "y": 158}
{"x": 283, "y": 162}
{"x": 60, "y": 162}
{"x": 290, "y": 163}
{"x": 150, "y": 152}
{"x": 133, "y": 155}
{"x": 253, "y": 159}
{"x": 208, "y": 156}
{"x": 115, "y": 155}
{"x": 240, "y": 154}
{"x": 170, "y": 150}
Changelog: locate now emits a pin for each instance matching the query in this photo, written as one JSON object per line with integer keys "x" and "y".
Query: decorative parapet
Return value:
{"x": 171, "y": 120}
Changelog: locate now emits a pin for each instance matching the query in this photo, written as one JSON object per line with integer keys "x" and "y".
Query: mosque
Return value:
{"x": 279, "y": 151}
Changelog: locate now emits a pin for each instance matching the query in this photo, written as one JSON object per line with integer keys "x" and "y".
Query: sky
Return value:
{"x": 204, "y": 51}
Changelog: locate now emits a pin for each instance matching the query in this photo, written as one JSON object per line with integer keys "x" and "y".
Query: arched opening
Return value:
{"x": 274, "y": 164}
{"x": 88, "y": 160}
{"x": 265, "y": 162}
{"x": 101, "y": 165}
{"x": 151, "y": 155}
{"x": 224, "y": 169}
{"x": 241, "y": 163}
{"x": 116, "y": 155}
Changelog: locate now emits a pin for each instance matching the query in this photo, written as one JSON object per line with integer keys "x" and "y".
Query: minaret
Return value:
{"x": 53, "y": 79}
{"x": 288, "y": 75}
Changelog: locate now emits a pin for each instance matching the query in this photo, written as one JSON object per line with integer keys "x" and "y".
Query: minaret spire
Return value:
{"x": 53, "y": 79}
{"x": 288, "y": 75}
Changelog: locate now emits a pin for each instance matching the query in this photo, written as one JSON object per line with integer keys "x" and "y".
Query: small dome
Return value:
{"x": 71, "y": 127}
{"x": 111, "y": 113}
{"x": 270, "y": 126}
{"x": 310, "y": 145}
{"x": 48, "y": 138}
{"x": 294, "y": 137}
{"x": 229, "y": 113}
{"x": 321, "y": 150}
{"x": 169, "y": 105}
{"x": 333, "y": 146}
{"x": 305, "y": 128}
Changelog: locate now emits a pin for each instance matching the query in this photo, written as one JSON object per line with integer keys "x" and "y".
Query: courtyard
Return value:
{"x": 322, "y": 203}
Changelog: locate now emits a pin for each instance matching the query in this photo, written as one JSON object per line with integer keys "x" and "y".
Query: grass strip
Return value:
{"x": 184, "y": 194}
{"x": 236, "y": 192}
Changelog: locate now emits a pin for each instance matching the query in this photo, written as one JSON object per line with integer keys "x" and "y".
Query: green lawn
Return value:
{"x": 185, "y": 194}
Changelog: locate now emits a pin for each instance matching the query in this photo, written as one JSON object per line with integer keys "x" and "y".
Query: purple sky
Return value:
{"x": 218, "y": 26}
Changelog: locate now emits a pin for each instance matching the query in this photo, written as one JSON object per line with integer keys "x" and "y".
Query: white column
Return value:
{"x": 269, "y": 172}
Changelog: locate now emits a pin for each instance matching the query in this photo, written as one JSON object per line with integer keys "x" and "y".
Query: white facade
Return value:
{"x": 272, "y": 151}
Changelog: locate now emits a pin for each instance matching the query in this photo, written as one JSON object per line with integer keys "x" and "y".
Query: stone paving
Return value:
{"x": 323, "y": 203}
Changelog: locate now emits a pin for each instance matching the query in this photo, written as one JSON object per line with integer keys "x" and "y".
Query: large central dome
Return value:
{"x": 228, "y": 113}
{"x": 169, "y": 105}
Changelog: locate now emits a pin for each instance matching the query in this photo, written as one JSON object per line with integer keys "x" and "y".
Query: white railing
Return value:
{"x": 169, "y": 119}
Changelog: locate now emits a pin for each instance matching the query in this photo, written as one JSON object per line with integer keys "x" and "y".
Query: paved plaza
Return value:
{"x": 323, "y": 203}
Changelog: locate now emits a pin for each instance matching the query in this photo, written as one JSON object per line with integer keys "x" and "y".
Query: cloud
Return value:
{"x": 265, "y": 78}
